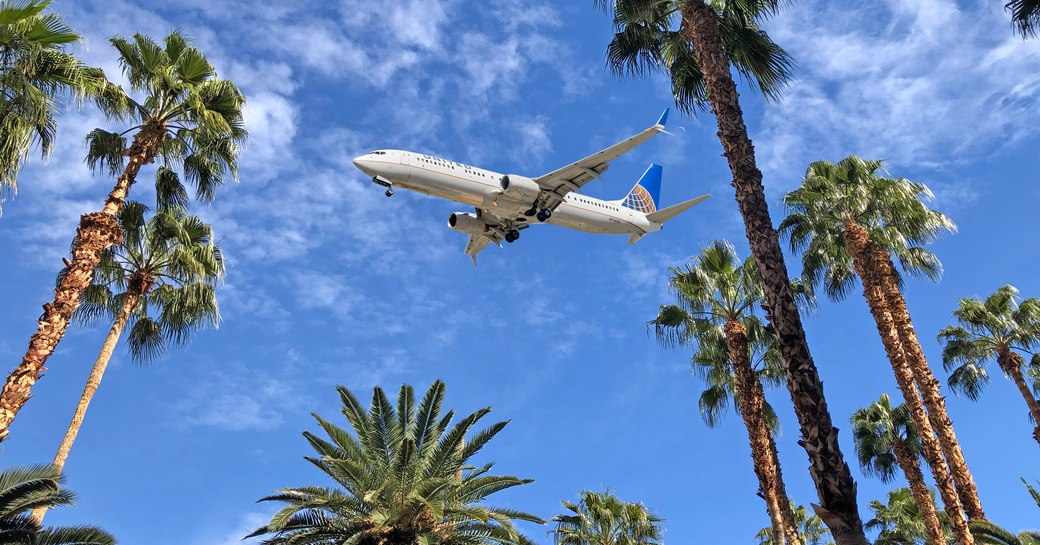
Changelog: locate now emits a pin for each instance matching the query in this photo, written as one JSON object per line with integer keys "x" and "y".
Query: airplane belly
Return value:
{"x": 446, "y": 187}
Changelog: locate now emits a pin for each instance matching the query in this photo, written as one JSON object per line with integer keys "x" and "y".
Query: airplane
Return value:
{"x": 505, "y": 204}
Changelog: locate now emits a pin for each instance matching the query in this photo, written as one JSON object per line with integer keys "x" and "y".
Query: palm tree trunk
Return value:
{"x": 97, "y": 231}
{"x": 786, "y": 508}
{"x": 912, "y": 470}
{"x": 93, "y": 381}
{"x": 752, "y": 411}
{"x": 1011, "y": 363}
{"x": 858, "y": 241}
{"x": 834, "y": 484}
{"x": 929, "y": 386}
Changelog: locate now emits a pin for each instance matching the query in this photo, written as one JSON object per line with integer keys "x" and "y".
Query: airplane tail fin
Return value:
{"x": 647, "y": 191}
{"x": 661, "y": 216}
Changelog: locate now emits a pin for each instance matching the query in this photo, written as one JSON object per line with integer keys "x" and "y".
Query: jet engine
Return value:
{"x": 519, "y": 188}
{"x": 465, "y": 222}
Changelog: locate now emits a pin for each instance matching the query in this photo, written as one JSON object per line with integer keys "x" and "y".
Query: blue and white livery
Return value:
{"x": 505, "y": 204}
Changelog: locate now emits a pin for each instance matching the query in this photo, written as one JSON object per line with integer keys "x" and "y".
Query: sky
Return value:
{"x": 331, "y": 283}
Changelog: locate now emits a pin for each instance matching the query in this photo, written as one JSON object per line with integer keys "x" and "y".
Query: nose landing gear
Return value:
{"x": 385, "y": 183}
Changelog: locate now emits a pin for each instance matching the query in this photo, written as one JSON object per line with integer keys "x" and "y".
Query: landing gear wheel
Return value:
{"x": 512, "y": 235}
{"x": 389, "y": 192}
{"x": 544, "y": 214}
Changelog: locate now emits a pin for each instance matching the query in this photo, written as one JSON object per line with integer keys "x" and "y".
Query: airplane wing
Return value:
{"x": 477, "y": 243}
{"x": 572, "y": 177}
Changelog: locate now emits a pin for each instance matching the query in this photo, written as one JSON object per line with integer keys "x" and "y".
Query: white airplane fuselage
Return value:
{"x": 482, "y": 189}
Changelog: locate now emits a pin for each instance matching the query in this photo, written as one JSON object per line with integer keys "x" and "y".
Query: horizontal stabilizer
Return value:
{"x": 666, "y": 214}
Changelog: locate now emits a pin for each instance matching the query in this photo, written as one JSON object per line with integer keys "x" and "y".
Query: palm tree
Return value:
{"x": 23, "y": 489}
{"x": 885, "y": 438}
{"x": 1025, "y": 16}
{"x": 35, "y": 72}
{"x": 159, "y": 281}
{"x": 397, "y": 483}
{"x": 600, "y": 518}
{"x": 1032, "y": 492}
{"x": 847, "y": 220}
{"x": 189, "y": 119}
{"x": 987, "y": 533}
{"x": 998, "y": 328}
{"x": 811, "y": 529}
{"x": 717, "y": 298}
{"x": 899, "y": 521}
{"x": 715, "y": 32}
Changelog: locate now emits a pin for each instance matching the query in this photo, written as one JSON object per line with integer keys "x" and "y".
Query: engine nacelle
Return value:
{"x": 519, "y": 188}
{"x": 465, "y": 222}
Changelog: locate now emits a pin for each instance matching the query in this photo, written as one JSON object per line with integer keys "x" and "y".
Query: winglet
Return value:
{"x": 664, "y": 117}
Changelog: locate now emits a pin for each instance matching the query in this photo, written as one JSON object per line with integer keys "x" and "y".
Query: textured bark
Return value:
{"x": 912, "y": 470}
{"x": 751, "y": 402}
{"x": 786, "y": 509}
{"x": 97, "y": 231}
{"x": 93, "y": 381}
{"x": 834, "y": 484}
{"x": 858, "y": 241}
{"x": 929, "y": 386}
{"x": 1011, "y": 364}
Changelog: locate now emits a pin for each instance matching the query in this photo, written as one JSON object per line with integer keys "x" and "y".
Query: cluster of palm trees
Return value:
{"x": 402, "y": 471}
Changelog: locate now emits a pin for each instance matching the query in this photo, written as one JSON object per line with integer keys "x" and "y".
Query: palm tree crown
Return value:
{"x": 649, "y": 38}
{"x": 990, "y": 329}
{"x": 170, "y": 263}
{"x": 403, "y": 478}
{"x": 189, "y": 117}
{"x": 1025, "y": 16}
{"x": 35, "y": 71}
{"x": 876, "y": 432}
{"x": 600, "y": 518}
{"x": 810, "y": 528}
{"x": 899, "y": 521}
{"x": 23, "y": 489}
{"x": 891, "y": 209}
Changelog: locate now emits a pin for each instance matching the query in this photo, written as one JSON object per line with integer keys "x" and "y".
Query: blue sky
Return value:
{"x": 332, "y": 283}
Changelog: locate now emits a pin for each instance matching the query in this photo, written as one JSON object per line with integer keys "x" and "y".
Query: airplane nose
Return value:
{"x": 363, "y": 164}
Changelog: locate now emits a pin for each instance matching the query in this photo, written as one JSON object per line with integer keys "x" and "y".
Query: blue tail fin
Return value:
{"x": 645, "y": 195}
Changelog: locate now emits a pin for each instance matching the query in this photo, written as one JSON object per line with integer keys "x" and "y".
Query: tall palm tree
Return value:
{"x": 188, "y": 118}
{"x": 715, "y": 32}
{"x": 900, "y": 522}
{"x": 160, "y": 282}
{"x": 717, "y": 298}
{"x": 397, "y": 483}
{"x": 35, "y": 73}
{"x": 600, "y": 518}
{"x": 847, "y": 220}
{"x": 23, "y": 489}
{"x": 811, "y": 529}
{"x": 885, "y": 438}
{"x": 1025, "y": 16}
{"x": 998, "y": 328}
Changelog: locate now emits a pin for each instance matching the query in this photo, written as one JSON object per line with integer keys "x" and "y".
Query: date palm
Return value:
{"x": 1025, "y": 16}
{"x": 899, "y": 521}
{"x": 36, "y": 73}
{"x": 159, "y": 282}
{"x": 600, "y": 518}
{"x": 696, "y": 42}
{"x": 998, "y": 328}
{"x": 23, "y": 489}
{"x": 848, "y": 221}
{"x": 717, "y": 298}
{"x": 189, "y": 119}
{"x": 403, "y": 477}
{"x": 811, "y": 529}
{"x": 885, "y": 440}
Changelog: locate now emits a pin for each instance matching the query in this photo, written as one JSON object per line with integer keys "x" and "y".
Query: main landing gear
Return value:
{"x": 385, "y": 183}
{"x": 512, "y": 235}
{"x": 543, "y": 214}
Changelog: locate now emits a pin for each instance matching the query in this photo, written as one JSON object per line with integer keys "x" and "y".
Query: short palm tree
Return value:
{"x": 696, "y": 42}
{"x": 1000, "y": 328}
{"x": 188, "y": 118}
{"x": 600, "y": 518}
{"x": 402, "y": 476}
{"x": 900, "y": 522}
{"x": 987, "y": 533}
{"x": 885, "y": 439}
{"x": 23, "y": 489}
{"x": 811, "y": 529}
{"x": 717, "y": 298}
{"x": 35, "y": 74}
{"x": 160, "y": 282}
{"x": 1025, "y": 16}
{"x": 848, "y": 221}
